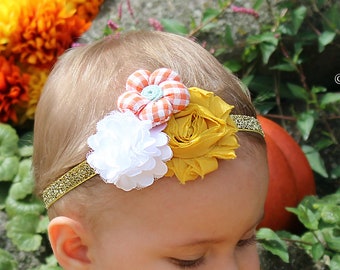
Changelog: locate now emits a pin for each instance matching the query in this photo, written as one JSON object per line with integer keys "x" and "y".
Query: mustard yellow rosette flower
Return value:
{"x": 199, "y": 135}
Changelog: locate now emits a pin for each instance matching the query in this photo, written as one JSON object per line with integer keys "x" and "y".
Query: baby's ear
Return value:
{"x": 68, "y": 241}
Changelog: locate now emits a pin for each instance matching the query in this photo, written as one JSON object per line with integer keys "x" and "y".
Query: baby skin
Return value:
{"x": 208, "y": 224}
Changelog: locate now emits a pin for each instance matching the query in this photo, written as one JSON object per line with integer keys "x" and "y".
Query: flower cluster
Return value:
{"x": 33, "y": 33}
{"x": 130, "y": 148}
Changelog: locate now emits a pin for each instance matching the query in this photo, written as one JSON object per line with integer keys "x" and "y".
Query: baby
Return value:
{"x": 148, "y": 155}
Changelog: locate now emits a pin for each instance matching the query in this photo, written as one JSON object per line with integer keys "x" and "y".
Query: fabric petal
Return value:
{"x": 131, "y": 101}
{"x": 163, "y": 74}
{"x": 138, "y": 80}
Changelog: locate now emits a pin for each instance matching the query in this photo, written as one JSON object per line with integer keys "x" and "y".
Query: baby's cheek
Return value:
{"x": 247, "y": 258}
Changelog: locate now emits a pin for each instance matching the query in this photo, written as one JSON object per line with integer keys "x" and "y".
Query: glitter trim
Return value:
{"x": 247, "y": 123}
{"x": 70, "y": 180}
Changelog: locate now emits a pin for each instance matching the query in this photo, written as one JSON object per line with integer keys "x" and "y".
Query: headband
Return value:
{"x": 161, "y": 128}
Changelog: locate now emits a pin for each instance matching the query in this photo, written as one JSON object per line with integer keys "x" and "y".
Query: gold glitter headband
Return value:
{"x": 83, "y": 171}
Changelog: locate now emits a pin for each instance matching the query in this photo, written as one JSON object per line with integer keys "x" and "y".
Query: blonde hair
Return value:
{"x": 86, "y": 81}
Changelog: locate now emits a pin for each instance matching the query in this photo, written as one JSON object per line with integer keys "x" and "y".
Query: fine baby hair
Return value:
{"x": 121, "y": 115}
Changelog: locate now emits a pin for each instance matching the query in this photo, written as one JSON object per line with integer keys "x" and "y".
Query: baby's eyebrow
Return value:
{"x": 204, "y": 241}
{"x": 200, "y": 241}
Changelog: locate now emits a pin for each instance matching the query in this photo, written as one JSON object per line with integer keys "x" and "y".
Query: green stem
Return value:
{"x": 202, "y": 24}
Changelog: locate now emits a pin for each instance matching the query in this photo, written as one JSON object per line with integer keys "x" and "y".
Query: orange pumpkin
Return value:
{"x": 290, "y": 177}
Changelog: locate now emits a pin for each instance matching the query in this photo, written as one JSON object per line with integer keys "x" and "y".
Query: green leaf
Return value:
{"x": 250, "y": 53}
{"x": 247, "y": 80}
{"x": 23, "y": 182}
{"x": 309, "y": 239}
{"x": 273, "y": 243}
{"x": 335, "y": 262}
{"x": 257, "y": 4}
{"x": 317, "y": 251}
{"x": 297, "y": 91}
{"x": 8, "y": 141}
{"x": 330, "y": 98}
{"x": 331, "y": 214}
{"x": 43, "y": 224}
{"x": 335, "y": 173}
{"x": 332, "y": 238}
{"x": 209, "y": 13}
{"x": 22, "y": 231}
{"x": 233, "y": 65}
{"x": 307, "y": 217}
{"x": 332, "y": 15}
{"x": 267, "y": 50}
{"x": 305, "y": 123}
{"x": 228, "y": 36}
{"x": 268, "y": 37}
{"x": 267, "y": 42}
{"x": 26, "y": 151}
{"x": 51, "y": 264}
{"x": 174, "y": 26}
{"x": 318, "y": 89}
{"x": 8, "y": 168}
{"x": 324, "y": 39}
{"x": 284, "y": 67}
{"x": 315, "y": 160}
{"x": 7, "y": 262}
{"x": 14, "y": 207}
{"x": 298, "y": 15}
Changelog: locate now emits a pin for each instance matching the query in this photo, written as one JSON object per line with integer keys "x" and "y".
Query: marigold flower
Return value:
{"x": 9, "y": 13}
{"x": 13, "y": 90}
{"x": 37, "y": 80}
{"x": 87, "y": 10}
{"x": 45, "y": 30}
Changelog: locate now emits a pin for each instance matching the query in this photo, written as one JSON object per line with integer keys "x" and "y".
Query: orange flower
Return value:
{"x": 87, "y": 10}
{"x": 13, "y": 90}
{"x": 9, "y": 13}
{"x": 37, "y": 80}
{"x": 45, "y": 30}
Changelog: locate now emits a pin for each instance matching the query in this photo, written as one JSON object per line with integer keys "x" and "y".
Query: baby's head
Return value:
{"x": 188, "y": 199}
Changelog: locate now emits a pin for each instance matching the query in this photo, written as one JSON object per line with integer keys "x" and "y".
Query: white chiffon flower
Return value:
{"x": 128, "y": 152}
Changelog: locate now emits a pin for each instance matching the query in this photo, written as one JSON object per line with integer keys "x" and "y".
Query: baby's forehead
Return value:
{"x": 217, "y": 194}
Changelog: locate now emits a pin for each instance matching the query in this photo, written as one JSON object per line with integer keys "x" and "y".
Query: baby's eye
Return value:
{"x": 247, "y": 242}
{"x": 187, "y": 264}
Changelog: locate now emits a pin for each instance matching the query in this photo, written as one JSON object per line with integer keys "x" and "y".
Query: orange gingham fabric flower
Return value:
{"x": 154, "y": 96}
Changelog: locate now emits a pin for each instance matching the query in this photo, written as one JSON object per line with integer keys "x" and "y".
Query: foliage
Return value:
{"x": 321, "y": 238}
{"x": 27, "y": 219}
